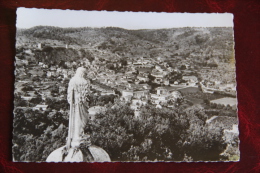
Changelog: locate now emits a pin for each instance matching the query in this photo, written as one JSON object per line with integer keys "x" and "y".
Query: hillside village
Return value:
{"x": 162, "y": 68}
{"x": 143, "y": 77}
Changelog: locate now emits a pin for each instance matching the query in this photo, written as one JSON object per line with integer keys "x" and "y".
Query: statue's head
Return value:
{"x": 80, "y": 72}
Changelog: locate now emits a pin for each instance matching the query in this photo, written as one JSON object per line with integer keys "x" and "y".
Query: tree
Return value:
{"x": 54, "y": 90}
{"x": 18, "y": 101}
{"x": 204, "y": 140}
{"x": 206, "y": 101}
{"x": 151, "y": 78}
{"x": 107, "y": 98}
{"x": 47, "y": 49}
{"x": 27, "y": 88}
{"x": 183, "y": 67}
{"x": 36, "y": 100}
{"x": 123, "y": 61}
{"x": 36, "y": 79}
{"x": 110, "y": 66}
{"x": 36, "y": 136}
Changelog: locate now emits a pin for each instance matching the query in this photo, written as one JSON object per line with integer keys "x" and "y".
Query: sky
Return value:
{"x": 30, "y": 17}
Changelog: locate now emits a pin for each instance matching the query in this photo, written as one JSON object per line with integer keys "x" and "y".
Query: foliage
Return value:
{"x": 18, "y": 101}
{"x": 200, "y": 39}
{"x": 37, "y": 134}
{"x": 57, "y": 104}
{"x": 231, "y": 152}
{"x": 176, "y": 134}
{"x": 36, "y": 100}
{"x": 27, "y": 88}
{"x": 53, "y": 56}
{"x": 159, "y": 134}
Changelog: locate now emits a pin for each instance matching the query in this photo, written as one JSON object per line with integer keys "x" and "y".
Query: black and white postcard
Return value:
{"x": 99, "y": 86}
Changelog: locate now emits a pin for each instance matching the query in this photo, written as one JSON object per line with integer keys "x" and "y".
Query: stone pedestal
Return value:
{"x": 91, "y": 154}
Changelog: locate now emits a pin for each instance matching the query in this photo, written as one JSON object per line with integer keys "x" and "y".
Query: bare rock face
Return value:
{"x": 91, "y": 154}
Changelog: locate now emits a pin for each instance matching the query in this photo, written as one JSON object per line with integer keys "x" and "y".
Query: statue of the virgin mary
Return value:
{"x": 78, "y": 148}
{"x": 78, "y": 91}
